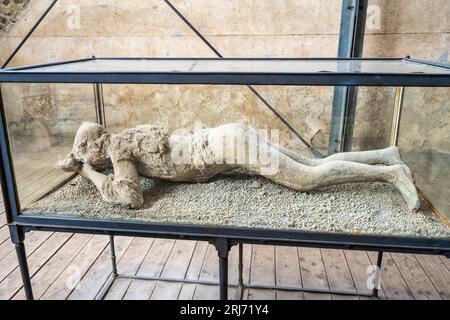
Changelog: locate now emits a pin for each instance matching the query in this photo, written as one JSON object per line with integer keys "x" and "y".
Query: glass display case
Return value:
{"x": 228, "y": 208}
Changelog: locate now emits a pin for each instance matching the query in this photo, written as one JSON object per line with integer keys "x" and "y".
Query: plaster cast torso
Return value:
{"x": 178, "y": 157}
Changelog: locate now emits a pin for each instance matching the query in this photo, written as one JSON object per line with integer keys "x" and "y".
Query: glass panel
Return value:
{"x": 373, "y": 118}
{"x": 243, "y": 66}
{"x": 223, "y": 195}
{"x": 189, "y": 107}
{"x": 42, "y": 120}
{"x": 425, "y": 141}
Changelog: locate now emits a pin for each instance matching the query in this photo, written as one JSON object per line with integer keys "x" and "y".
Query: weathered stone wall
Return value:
{"x": 9, "y": 10}
{"x": 255, "y": 28}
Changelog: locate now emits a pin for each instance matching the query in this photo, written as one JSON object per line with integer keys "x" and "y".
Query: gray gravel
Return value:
{"x": 242, "y": 201}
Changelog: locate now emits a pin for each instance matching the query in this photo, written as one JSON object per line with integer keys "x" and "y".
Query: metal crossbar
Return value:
{"x": 38, "y": 22}
{"x": 240, "y": 285}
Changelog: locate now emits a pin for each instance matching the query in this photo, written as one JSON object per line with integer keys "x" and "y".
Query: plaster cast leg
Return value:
{"x": 296, "y": 156}
{"x": 301, "y": 177}
{"x": 389, "y": 156}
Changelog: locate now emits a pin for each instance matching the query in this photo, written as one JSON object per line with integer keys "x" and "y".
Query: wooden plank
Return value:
{"x": 25, "y": 191}
{"x": 70, "y": 277}
{"x": 4, "y": 234}
{"x": 29, "y": 173}
{"x": 129, "y": 264}
{"x": 32, "y": 191}
{"x": 93, "y": 281}
{"x": 437, "y": 273}
{"x": 152, "y": 266}
{"x": 233, "y": 269}
{"x": 362, "y": 269}
{"x": 176, "y": 267}
{"x": 23, "y": 187}
{"x": 287, "y": 271}
{"x": 194, "y": 269}
{"x": 263, "y": 272}
{"x": 34, "y": 241}
{"x": 313, "y": 274}
{"x": 42, "y": 280}
{"x": 210, "y": 272}
{"x": 6, "y": 248}
{"x": 11, "y": 284}
{"x": 415, "y": 277}
{"x": 338, "y": 273}
{"x": 446, "y": 262}
{"x": 33, "y": 182}
{"x": 392, "y": 282}
{"x": 46, "y": 184}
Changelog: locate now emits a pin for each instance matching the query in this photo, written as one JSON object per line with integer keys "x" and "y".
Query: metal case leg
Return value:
{"x": 113, "y": 255}
{"x": 223, "y": 248}
{"x": 114, "y": 275}
{"x": 22, "y": 257}
{"x": 223, "y": 277}
{"x": 18, "y": 237}
{"x": 377, "y": 274}
{"x": 240, "y": 288}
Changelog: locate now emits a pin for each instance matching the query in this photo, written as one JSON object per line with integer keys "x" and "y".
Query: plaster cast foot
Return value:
{"x": 406, "y": 188}
{"x": 394, "y": 157}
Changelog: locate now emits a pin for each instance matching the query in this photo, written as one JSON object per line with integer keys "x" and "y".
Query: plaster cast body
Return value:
{"x": 148, "y": 150}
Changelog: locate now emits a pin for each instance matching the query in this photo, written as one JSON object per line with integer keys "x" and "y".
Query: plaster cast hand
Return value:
{"x": 69, "y": 164}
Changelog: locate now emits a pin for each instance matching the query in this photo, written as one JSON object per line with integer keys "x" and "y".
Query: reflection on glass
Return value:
{"x": 242, "y": 66}
{"x": 425, "y": 141}
{"x": 42, "y": 120}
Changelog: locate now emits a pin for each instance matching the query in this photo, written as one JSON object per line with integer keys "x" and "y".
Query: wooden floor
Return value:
{"x": 76, "y": 266}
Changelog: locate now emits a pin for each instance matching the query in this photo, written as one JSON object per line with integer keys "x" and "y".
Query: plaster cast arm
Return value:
{"x": 121, "y": 189}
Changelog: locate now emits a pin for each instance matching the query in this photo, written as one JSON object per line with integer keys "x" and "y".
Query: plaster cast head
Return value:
{"x": 91, "y": 145}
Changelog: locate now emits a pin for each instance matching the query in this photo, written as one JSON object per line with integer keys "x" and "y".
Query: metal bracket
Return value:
{"x": 17, "y": 234}
{"x": 223, "y": 247}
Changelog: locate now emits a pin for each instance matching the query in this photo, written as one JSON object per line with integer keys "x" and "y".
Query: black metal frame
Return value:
{"x": 222, "y": 237}
{"x": 24, "y": 75}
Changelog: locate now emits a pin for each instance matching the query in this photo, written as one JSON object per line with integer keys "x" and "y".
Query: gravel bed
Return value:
{"x": 245, "y": 201}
